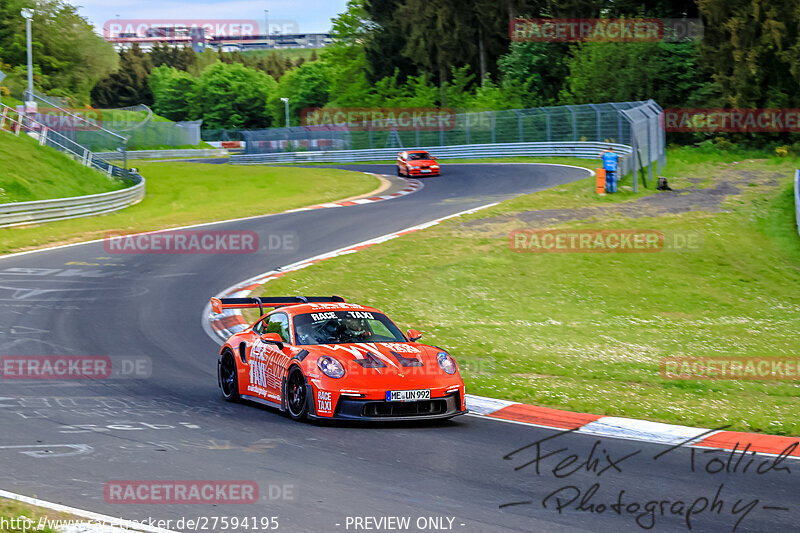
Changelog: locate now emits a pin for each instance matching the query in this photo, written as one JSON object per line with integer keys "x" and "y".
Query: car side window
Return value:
{"x": 278, "y": 323}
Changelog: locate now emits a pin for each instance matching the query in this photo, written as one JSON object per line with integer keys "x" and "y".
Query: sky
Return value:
{"x": 310, "y": 16}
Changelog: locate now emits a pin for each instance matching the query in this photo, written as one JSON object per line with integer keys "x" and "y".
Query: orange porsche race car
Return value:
{"x": 324, "y": 358}
{"x": 417, "y": 163}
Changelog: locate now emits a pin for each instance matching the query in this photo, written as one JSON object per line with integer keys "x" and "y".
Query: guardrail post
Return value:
{"x": 43, "y": 137}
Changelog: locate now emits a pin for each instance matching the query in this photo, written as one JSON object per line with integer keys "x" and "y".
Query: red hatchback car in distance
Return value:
{"x": 416, "y": 163}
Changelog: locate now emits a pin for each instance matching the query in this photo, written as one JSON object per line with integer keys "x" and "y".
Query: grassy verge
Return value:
{"x": 16, "y": 517}
{"x": 33, "y": 172}
{"x": 189, "y": 193}
{"x": 587, "y": 332}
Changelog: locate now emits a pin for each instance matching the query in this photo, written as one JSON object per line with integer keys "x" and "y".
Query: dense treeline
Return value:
{"x": 225, "y": 90}
{"x": 453, "y": 53}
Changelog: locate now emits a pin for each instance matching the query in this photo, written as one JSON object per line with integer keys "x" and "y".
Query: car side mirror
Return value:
{"x": 433, "y": 158}
{"x": 272, "y": 338}
{"x": 414, "y": 335}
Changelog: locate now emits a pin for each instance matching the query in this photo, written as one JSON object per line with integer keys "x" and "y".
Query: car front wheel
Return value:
{"x": 296, "y": 395}
{"x": 228, "y": 377}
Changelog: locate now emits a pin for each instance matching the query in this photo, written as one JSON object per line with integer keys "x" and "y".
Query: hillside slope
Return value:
{"x": 33, "y": 172}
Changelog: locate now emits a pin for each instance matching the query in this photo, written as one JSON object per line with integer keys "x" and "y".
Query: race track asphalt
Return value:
{"x": 63, "y": 441}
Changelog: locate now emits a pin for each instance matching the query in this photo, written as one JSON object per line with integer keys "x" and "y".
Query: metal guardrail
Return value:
{"x": 797, "y": 197}
{"x": 584, "y": 150}
{"x": 22, "y": 213}
{"x": 157, "y": 154}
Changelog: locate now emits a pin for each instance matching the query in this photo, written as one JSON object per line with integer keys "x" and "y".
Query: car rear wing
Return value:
{"x": 218, "y": 305}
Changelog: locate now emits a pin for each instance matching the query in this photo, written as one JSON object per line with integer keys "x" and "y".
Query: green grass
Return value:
{"x": 33, "y": 172}
{"x": 586, "y": 332}
{"x": 190, "y": 193}
{"x": 12, "y": 511}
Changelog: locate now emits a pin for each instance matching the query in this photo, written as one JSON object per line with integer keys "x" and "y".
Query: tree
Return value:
{"x": 232, "y": 96}
{"x": 383, "y": 37}
{"x": 620, "y": 71}
{"x": 346, "y": 59}
{"x": 179, "y": 58}
{"x": 753, "y": 51}
{"x": 129, "y": 85}
{"x": 69, "y": 58}
{"x": 534, "y": 72}
{"x": 172, "y": 90}
{"x": 307, "y": 86}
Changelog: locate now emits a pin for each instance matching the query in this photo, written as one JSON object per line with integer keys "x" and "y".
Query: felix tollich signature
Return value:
{"x": 561, "y": 463}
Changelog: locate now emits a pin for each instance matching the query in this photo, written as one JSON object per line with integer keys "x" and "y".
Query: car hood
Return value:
{"x": 421, "y": 162}
{"x": 384, "y": 359}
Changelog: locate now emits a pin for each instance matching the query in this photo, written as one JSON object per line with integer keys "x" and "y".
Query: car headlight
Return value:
{"x": 330, "y": 367}
{"x": 447, "y": 363}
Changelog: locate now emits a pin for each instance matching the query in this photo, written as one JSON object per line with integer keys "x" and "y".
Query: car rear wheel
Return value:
{"x": 296, "y": 395}
{"x": 228, "y": 377}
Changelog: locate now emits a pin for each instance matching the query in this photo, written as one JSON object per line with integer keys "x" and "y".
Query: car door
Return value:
{"x": 267, "y": 363}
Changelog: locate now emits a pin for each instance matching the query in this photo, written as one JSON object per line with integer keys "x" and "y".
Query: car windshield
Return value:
{"x": 342, "y": 327}
{"x": 419, "y": 155}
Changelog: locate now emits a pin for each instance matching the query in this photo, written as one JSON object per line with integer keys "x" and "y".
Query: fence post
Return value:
{"x": 43, "y": 137}
{"x": 466, "y": 131}
{"x": 494, "y": 131}
{"x": 574, "y": 123}
{"x": 519, "y": 126}
{"x": 441, "y": 130}
{"x": 599, "y": 123}
{"x": 547, "y": 124}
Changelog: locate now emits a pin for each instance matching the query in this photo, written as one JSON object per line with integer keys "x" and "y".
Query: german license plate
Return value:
{"x": 408, "y": 395}
{"x": 425, "y": 171}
